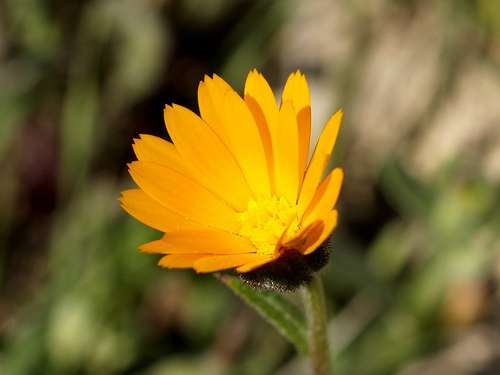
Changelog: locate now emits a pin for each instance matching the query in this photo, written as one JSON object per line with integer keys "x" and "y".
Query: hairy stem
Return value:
{"x": 314, "y": 301}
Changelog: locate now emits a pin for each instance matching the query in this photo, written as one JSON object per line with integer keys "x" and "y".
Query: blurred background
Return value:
{"x": 412, "y": 286}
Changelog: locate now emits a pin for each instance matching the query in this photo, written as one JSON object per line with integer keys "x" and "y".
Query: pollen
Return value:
{"x": 265, "y": 221}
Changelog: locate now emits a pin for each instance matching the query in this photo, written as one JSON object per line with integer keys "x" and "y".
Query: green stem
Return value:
{"x": 314, "y": 301}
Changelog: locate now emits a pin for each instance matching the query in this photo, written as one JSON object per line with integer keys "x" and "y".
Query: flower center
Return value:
{"x": 265, "y": 220}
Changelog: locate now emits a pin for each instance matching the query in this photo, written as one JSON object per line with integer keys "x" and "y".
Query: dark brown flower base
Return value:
{"x": 290, "y": 271}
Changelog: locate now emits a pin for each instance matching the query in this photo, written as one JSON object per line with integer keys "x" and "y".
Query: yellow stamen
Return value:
{"x": 265, "y": 220}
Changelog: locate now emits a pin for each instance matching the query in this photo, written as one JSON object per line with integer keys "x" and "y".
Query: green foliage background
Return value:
{"x": 413, "y": 278}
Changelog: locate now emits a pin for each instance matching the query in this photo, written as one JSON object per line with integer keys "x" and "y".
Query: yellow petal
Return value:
{"x": 319, "y": 161}
{"x": 325, "y": 198}
{"x": 183, "y": 195}
{"x": 202, "y": 149}
{"x": 286, "y": 154}
{"x": 255, "y": 264}
{"x": 297, "y": 91}
{"x": 207, "y": 241}
{"x": 246, "y": 144}
{"x": 180, "y": 260}
{"x": 329, "y": 223}
{"x": 222, "y": 262}
{"x": 150, "y": 212}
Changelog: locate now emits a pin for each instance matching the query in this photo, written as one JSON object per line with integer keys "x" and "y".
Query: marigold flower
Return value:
{"x": 234, "y": 189}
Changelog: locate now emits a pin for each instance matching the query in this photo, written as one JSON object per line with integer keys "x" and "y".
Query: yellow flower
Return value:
{"x": 235, "y": 189}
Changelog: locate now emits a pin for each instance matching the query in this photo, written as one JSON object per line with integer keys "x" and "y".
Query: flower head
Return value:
{"x": 234, "y": 189}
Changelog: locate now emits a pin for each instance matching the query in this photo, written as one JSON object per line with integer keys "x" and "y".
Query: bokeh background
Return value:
{"x": 412, "y": 285}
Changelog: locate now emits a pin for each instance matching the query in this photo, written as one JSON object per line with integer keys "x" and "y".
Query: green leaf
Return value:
{"x": 275, "y": 309}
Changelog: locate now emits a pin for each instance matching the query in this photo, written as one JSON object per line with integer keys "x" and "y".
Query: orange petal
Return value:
{"x": 180, "y": 260}
{"x": 329, "y": 223}
{"x": 304, "y": 124}
{"x": 150, "y": 212}
{"x": 297, "y": 91}
{"x": 265, "y": 135}
{"x": 222, "y": 262}
{"x": 246, "y": 144}
{"x": 257, "y": 87}
{"x": 207, "y": 241}
{"x": 230, "y": 118}
{"x": 318, "y": 162}
{"x": 200, "y": 147}
{"x": 211, "y": 93}
{"x": 155, "y": 149}
{"x": 219, "y": 81}
{"x": 325, "y": 198}
{"x": 210, "y": 99}
{"x": 255, "y": 264}
{"x": 286, "y": 154}
{"x": 183, "y": 195}
{"x": 261, "y": 101}
{"x": 299, "y": 240}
